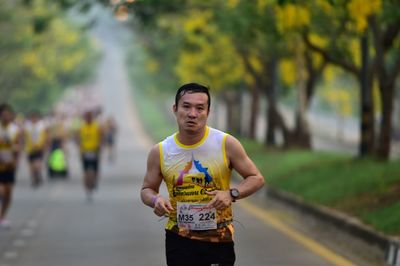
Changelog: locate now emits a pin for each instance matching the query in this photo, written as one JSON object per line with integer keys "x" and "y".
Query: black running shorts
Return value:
{"x": 182, "y": 251}
{"x": 35, "y": 155}
{"x": 7, "y": 177}
{"x": 90, "y": 161}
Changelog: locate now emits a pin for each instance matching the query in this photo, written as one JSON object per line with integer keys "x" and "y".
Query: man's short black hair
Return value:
{"x": 192, "y": 88}
{"x": 4, "y": 107}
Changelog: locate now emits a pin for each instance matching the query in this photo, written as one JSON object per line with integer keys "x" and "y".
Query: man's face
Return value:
{"x": 192, "y": 111}
{"x": 34, "y": 118}
{"x": 6, "y": 116}
{"x": 88, "y": 117}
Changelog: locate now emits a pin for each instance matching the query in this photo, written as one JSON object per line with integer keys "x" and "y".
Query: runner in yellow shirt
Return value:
{"x": 196, "y": 165}
{"x": 89, "y": 140}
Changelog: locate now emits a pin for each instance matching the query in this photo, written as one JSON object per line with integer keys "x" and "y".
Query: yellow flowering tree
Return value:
{"x": 210, "y": 56}
{"x": 251, "y": 25}
{"x": 376, "y": 25}
{"x": 43, "y": 55}
{"x": 185, "y": 40}
{"x": 301, "y": 68}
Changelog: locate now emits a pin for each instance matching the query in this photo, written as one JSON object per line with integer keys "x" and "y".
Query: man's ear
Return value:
{"x": 174, "y": 108}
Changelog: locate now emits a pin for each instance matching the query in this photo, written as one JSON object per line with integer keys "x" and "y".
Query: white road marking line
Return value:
{"x": 10, "y": 255}
{"x": 32, "y": 224}
{"x": 19, "y": 243}
{"x": 27, "y": 232}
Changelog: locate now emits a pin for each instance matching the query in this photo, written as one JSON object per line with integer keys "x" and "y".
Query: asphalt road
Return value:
{"x": 55, "y": 225}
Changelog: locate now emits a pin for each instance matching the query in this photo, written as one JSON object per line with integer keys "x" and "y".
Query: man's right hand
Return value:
{"x": 162, "y": 207}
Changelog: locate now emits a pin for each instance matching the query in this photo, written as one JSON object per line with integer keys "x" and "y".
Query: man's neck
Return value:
{"x": 190, "y": 138}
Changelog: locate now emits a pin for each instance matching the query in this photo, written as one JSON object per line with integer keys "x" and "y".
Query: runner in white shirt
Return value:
{"x": 9, "y": 151}
{"x": 36, "y": 142}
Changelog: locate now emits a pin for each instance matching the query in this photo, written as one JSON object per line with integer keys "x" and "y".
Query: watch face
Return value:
{"x": 234, "y": 192}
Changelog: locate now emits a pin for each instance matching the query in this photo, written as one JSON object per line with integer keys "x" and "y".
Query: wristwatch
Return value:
{"x": 234, "y": 192}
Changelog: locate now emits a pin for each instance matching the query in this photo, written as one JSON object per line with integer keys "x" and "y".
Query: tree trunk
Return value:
{"x": 301, "y": 132}
{"x": 387, "y": 93}
{"x": 278, "y": 119}
{"x": 255, "y": 95}
{"x": 367, "y": 134}
{"x": 271, "y": 124}
{"x": 255, "y": 107}
{"x": 233, "y": 100}
{"x": 314, "y": 73}
{"x": 365, "y": 77}
{"x": 270, "y": 91}
{"x": 387, "y": 81}
{"x": 275, "y": 119}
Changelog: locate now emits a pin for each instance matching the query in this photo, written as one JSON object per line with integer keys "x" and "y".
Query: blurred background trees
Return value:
{"x": 340, "y": 57}
{"x": 346, "y": 52}
{"x": 42, "y": 52}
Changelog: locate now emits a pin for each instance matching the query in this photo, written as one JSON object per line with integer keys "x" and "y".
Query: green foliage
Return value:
{"x": 386, "y": 219}
{"x": 147, "y": 11}
{"x": 42, "y": 53}
{"x": 209, "y": 56}
{"x": 149, "y": 66}
{"x": 363, "y": 188}
{"x": 150, "y": 90}
{"x": 240, "y": 42}
{"x": 154, "y": 114}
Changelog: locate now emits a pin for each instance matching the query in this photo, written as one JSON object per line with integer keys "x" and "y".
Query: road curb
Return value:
{"x": 342, "y": 221}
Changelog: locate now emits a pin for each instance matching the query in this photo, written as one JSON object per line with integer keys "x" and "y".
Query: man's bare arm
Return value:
{"x": 240, "y": 161}
{"x": 151, "y": 185}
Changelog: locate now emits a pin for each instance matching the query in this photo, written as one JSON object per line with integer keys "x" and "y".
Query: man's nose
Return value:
{"x": 192, "y": 112}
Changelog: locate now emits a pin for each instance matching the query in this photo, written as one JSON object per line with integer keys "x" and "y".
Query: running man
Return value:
{"x": 10, "y": 137}
{"x": 196, "y": 164}
{"x": 36, "y": 142}
{"x": 110, "y": 131}
{"x": 57, "y": 163}
{"x": 89, "y": 140}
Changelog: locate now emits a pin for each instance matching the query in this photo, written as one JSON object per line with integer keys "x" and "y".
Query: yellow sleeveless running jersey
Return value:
{"x": 89, "y": 135}
{"x": 190, "y": 171}
{"x": 35, "y": 136}
{"x": 8, "y": 140}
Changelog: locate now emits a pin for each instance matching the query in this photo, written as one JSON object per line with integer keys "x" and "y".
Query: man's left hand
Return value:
{"x": 221, "y": 200}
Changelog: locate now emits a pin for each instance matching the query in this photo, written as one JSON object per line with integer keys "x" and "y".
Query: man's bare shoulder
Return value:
{"x": 154, "y": 154}
{"x": 234, "y": 147}
{"x": 232, "y": 142}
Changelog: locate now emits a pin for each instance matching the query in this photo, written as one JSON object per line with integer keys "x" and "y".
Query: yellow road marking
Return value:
{"x": 312, "y": 245}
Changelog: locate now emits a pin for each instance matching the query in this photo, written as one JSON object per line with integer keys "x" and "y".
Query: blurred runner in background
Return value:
{"x": 36, "y": 143}
{"x": 89, "y": 141}
{"x": 10, "y": 146}
{"x": 110, "y": 131}
{"x": 57, "y": 160}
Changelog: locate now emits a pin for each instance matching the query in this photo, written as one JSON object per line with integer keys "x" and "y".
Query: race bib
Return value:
{"x": 195, "y": 216}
